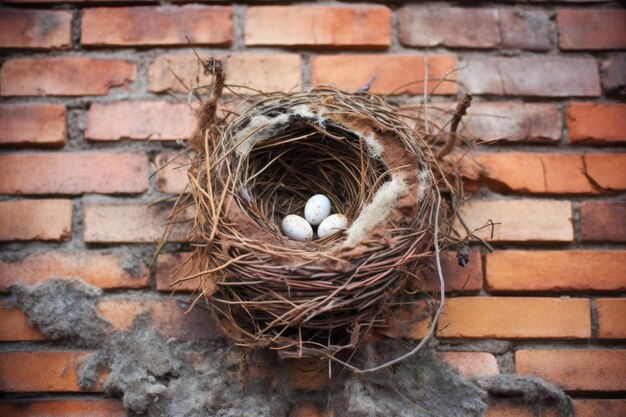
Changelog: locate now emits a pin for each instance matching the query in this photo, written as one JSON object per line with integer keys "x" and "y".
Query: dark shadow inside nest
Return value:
{"x": 283, "y": 171}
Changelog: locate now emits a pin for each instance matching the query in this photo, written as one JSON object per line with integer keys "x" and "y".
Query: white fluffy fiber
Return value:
{"x": 261, "y": 127}
{"x": 382, "y": 205}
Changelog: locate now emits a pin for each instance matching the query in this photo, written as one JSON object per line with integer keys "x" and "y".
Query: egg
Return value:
{"x": 297, "y": 228}
{"x": 331, "y": 225}
{"x": 317, "y": 209}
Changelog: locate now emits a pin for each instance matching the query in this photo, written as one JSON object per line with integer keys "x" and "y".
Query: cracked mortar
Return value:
{"x": 156, "y": 376}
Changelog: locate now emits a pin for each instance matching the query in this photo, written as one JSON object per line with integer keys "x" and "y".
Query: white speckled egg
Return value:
{"x": 297, "y": 228}
{"x": 317, "y": 209}
{"x": 331, "y": 225}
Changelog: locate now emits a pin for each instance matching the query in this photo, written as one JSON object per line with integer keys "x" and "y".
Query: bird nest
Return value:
{"x": 250, "y": 170}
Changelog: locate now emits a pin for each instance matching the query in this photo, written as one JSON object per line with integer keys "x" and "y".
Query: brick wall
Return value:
{"x": 89, "y": 109}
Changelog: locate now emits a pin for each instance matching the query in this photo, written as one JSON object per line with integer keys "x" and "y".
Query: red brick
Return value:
{"x": 129, "y": 222}
{"x": 62, "y": 408}
{"x": 167, "y": 315}
{"x": 507, "y": 408}
{"x": 576, "y": 370}
{"x": 309, "y": 374}
{"x": 606, "y": 170}
{"x": 536, "y": 173}
{"x": 596, "y": 123}
{"x": 73, "y": 173}
{"x": 257, "y": 71}
{"x": 412, "y": 322}
{"x": 51, "y": 2}
{"x": 168, "y": 25}
{"x": 459, "y": 27}
{"x": 14, "y": 327}
{"x": 471, "y": 364}
{"x": 520, "y": 220}
{"x": 166, "y": 264}
{"x": 67, "y": 76}
{"x": 393, "y": 72}
{"x": 41, "y": 371}
{"x": 614, "y": 75}
{"x": 36, "y": 124}
{"x": 35, "y": 220}
{"x": 600, "y": 408}
{"x": 557, "y": 270}
{"x": 308, "y": 410}
{"x": 603, "y": 221}
{"x": 155, "y": 120}
{"x": 456, "y": 277}
{"x": 333, "y": 26}
{"x": 553, "y": 76}
{"x": 111, "y": 269}
{"x": 591, "y": 29}
{"x": 611, "y": 314}
{"x": 172, "y": 172}
{"x": 44, "y": 29}
{"x": 83, "y": 407}
{"x": 534, "y": 318}
{"x": 517, "y": 122}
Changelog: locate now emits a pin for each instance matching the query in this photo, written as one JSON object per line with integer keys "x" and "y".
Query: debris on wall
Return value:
{"x": 156, "y": 376}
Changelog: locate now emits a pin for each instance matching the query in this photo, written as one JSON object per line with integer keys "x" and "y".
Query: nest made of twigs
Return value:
{"x": 248, "y": 172}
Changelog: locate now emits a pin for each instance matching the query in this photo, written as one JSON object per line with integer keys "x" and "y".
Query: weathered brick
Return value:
{"x": 536, "y": 173}
{"x": 596, "y": 123}
{"x": 576, "y": 370}
{"x": 556, "y": 270}
{"x": 23, "y": 371}
{"x": 309, "y": 374}
{"x": 613, "y": 71}
{"x": 73, "y": 173}
{"x": 42, "y": 29}
{"x": 172, "y": 172}
{"x": 36, "y": 124}
{"x": 167, "y": 315}
{"x": 591, "y": 29}
{"x": 82, "y": 407}
{"x": 168, "y": 25}
{"x": 600, "y": 408}
{"x": 334, "y": 26}
{"x": 265, "y": 72}
{"x": 534, "y": 318}
{"x": 257, "y": 71}
{"x": 456, "y": 277}
{"x": 459, "y": 27}
{"x": 165, "y": 265}
{"x": 395, "y": 74}
{"x": 611, "y": 313}
{"x": 110, "y": 269}
{"x": 515, "y": 122}
{"x": 552, "y": 76}
{"x": 471, "y": 364}
{"x": 35, "y": 220}
{"x": 129, "y": 222}
{"x": 154, "y": 120}
{"x": 67, "y": 76}
{"x": 603, "y": 221}
{"x": 520, "y": 220}
{"x": 14, "y": 327}
{"x": 606, "y": 170}
{"x": 525, "y": 29}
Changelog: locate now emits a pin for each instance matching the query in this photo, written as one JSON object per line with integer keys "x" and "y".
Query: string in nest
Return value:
{"x": 251, "y": 169}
